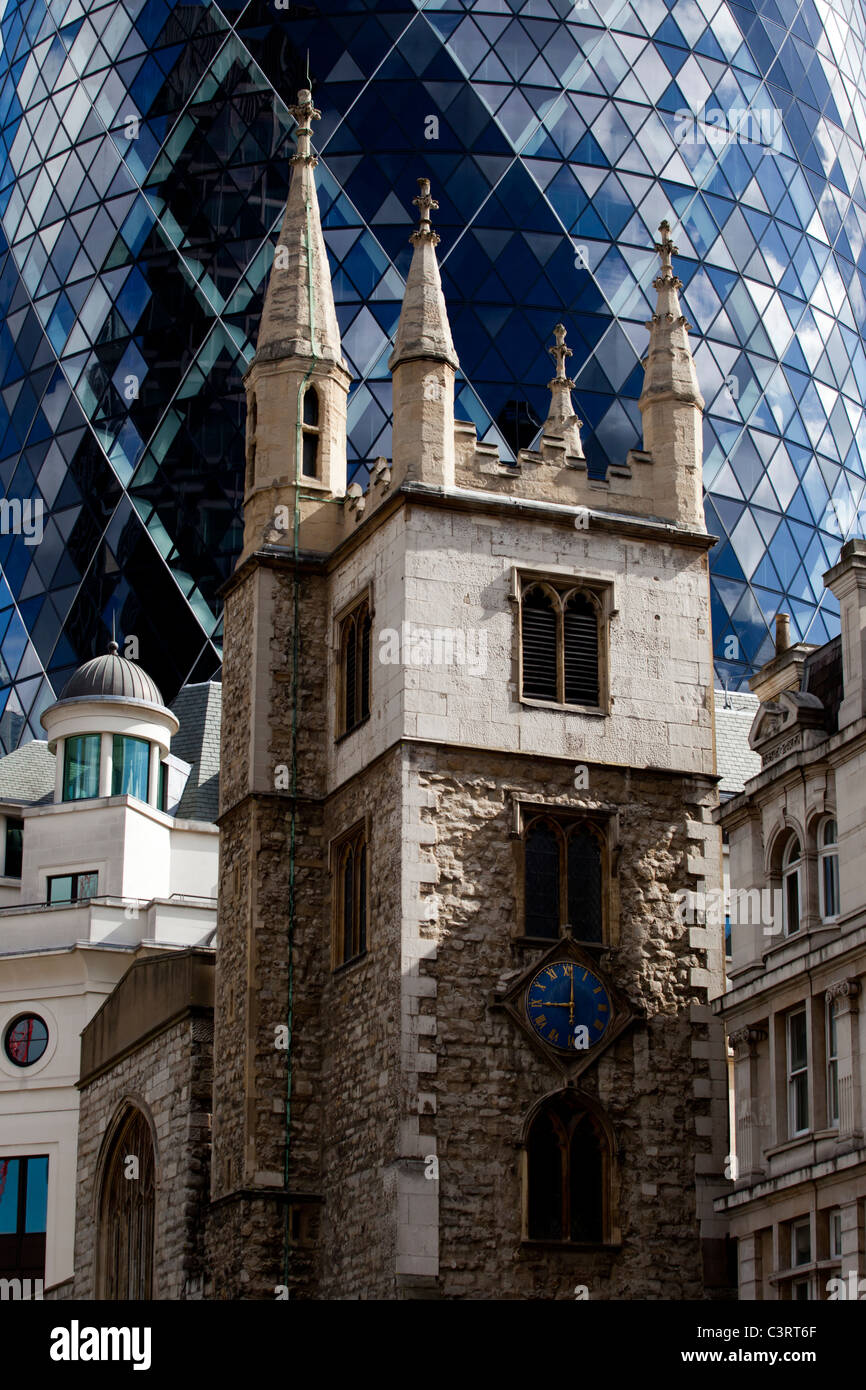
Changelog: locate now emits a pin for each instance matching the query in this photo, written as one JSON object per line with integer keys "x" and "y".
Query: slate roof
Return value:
{"x": 27, "y": 774}
{"x": 197, "y": 741}
{"x": 735, "y": 711}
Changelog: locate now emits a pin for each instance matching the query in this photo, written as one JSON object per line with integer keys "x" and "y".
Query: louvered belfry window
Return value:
{"x": 559, "y": 645}
{"x": 354, "y": 668}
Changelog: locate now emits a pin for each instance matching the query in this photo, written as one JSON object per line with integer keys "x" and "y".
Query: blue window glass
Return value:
{"x": 36, "y": 1205}
{"x": 9, "y": 1177}
{"x": 67, "y": 888}
{"x": 129, "y": 769}
{"x": 81, "y": 767}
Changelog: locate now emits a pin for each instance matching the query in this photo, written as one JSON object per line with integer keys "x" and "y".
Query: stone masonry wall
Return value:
{"x": 170, "y": 1078}
{"x": 655, "y": 1081}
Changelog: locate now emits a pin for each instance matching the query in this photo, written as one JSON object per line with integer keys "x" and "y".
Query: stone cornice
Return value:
{"x": 752, "y": 996}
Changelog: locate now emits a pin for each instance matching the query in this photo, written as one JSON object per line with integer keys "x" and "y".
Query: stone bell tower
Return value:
{"x": 464, "y": 1046}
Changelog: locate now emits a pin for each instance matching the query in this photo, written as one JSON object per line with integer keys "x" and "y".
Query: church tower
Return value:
{"x": 463, "y": 1041}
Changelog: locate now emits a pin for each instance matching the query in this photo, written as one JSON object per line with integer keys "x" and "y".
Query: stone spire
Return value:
{"x": 671, "y": 404}
{"x": 561, "y": 419}
{"x": 299, "y": 318}
{"x": 423, "y": 330}
{"x": 670, "y": 367}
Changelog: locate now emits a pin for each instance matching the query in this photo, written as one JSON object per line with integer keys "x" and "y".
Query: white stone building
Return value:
{"x": 798, "y": 907}
{"x": 109, "y": 854}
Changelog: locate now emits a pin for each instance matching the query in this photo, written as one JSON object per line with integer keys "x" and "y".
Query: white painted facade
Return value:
{"x": 156, "y": 890}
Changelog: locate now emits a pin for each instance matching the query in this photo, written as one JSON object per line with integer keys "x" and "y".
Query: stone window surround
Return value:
{"x": 364, "y": 595}
{"x": 811, "y": 918}
{"x": 791, "y": 1072}
{"x": 762, "y": 1075}
{"x": 602, "y": 589}
{"x": 604, "y": 818}
{"x": 358, "y": 831}
{"x": 829, "y": 851}
{"x": 610, "y": 1179}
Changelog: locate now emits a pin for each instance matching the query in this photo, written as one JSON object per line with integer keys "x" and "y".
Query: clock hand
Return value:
{"x": 571, "y": 1000}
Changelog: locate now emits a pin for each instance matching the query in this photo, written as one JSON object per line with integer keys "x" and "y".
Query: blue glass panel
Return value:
{"x": 36, "y": 1203}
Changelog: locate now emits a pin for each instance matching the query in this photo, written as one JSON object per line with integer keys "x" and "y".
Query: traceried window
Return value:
{"x": 568, "y": 1174}
{"x": 563, "y": 879}
{"x": 828, "y": 870}
{"x": 310, "y": 432}
{"x": 354, "y": 676}
{"x": 791, "y": 867}
{"x": 559, "y": 644}
{"x": 798, "y": 1073}
{"x": 350, "y": 867}
{"x": 126, "y": 1212}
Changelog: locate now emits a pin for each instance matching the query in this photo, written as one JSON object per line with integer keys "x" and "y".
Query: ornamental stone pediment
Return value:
{"x": 786, "y": 725}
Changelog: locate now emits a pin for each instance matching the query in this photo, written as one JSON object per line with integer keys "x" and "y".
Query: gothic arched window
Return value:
{"x": 563, "y": 868}
{"x": 568, "y": 1174}
{"x": 351, "y": 897}
{"x": 559, "y": 645}
{"x": 126, "y": 1212}
{"x": 543, "y": 858}
{"x": 310, "y": 431}
{"x": 355, "y": 632}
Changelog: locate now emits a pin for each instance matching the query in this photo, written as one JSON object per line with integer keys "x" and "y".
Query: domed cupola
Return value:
{"x": 110, "y": 732}
{"x": 112, "y": 677}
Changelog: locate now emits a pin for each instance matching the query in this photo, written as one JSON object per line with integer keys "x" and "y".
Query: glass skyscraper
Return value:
{"x": 143, "y": 173}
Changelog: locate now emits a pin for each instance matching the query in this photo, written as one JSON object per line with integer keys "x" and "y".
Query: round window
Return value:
{"x": 26, "y": 1040}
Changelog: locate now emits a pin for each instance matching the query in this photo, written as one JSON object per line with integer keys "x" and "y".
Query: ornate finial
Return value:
{"x": 112, "y": 648}
{"x": 560, "y": 352}
{"x": 425, "y": 205}
{"x": 304, "y": 113}
{"x": 666, "y": 249}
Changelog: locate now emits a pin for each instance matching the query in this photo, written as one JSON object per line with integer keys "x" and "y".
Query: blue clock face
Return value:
{"x": 568, "y": 1006}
